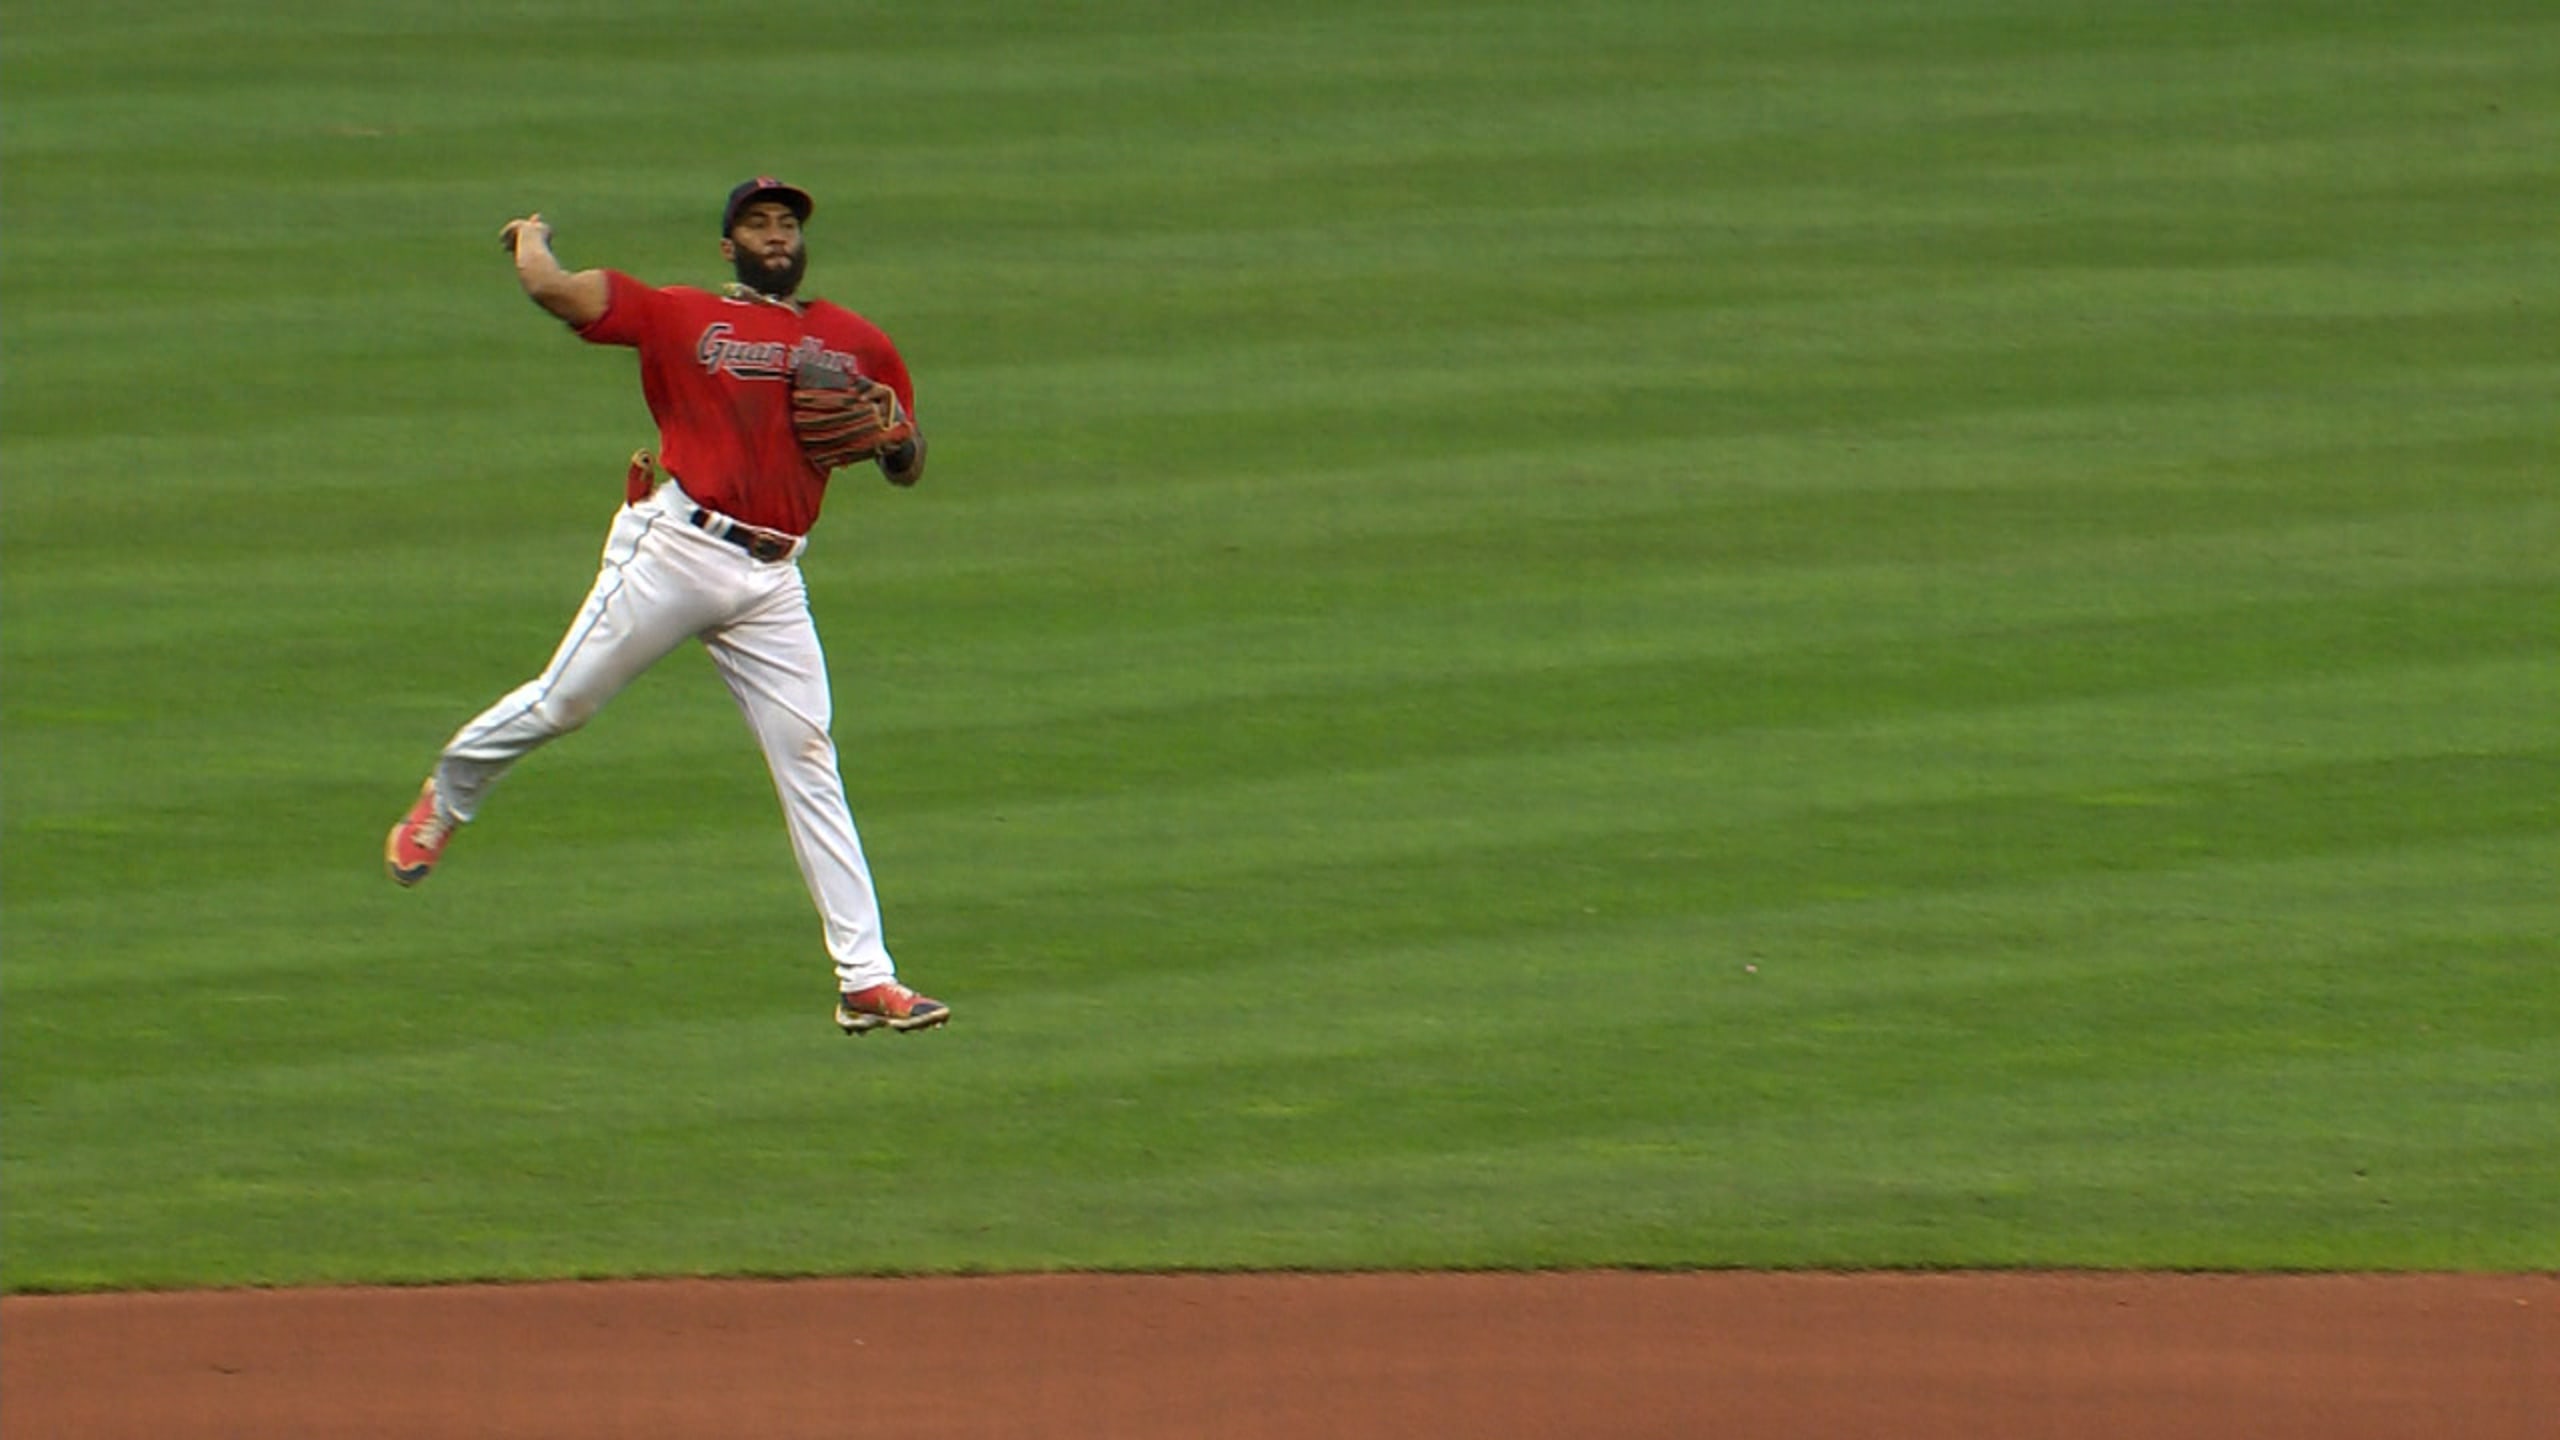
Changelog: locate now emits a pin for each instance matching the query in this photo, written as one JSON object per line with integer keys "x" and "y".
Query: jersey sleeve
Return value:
{"x": 887, "y": 367}
{"x": 878, "y": 354}
{"x": 629, "y": 306}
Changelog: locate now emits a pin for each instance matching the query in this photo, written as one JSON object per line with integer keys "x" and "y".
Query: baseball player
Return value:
{"x": 758, "y": 394}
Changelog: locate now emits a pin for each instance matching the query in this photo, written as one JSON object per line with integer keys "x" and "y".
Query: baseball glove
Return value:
{"x": 841, "y": 418}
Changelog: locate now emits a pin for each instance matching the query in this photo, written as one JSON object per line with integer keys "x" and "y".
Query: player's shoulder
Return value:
{"x": 630, "y": 287}
{"x": 671, "y": 294}
{"x": 829, "y": 314}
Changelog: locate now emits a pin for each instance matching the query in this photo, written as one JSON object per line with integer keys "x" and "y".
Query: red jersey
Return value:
{"x": 716, "y": 372}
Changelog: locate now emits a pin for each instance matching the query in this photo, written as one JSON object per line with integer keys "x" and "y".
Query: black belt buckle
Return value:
{"x": 765, "y": 545}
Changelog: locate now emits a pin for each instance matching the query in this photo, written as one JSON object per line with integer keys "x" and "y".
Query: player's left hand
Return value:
{"x": 841, "y": 419}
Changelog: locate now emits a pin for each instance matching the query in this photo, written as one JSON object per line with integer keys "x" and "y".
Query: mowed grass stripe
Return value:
{"x": 2168, "y": 777}
{"x": 1709, "y": 1164}
{"x": 1326, "y": 732}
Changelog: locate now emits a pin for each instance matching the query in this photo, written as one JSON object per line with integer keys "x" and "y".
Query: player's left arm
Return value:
{"x": 902, "y": 464}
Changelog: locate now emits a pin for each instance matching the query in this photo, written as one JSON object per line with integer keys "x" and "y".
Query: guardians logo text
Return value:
{"x": 765, "y": 359}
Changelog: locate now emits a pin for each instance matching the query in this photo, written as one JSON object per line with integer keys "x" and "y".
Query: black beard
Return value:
{"x": 755, "y": 274}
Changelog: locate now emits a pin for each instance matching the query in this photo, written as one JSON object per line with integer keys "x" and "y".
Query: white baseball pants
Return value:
{"x": 662, "y": 582}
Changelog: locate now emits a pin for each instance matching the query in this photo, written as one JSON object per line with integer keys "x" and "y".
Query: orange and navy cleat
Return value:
{"x": 417, "y": 842}
{"x": 889, "y": 1004}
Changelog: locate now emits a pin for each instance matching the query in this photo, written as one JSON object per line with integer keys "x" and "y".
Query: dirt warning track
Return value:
{"x": 1401, "y": 1357}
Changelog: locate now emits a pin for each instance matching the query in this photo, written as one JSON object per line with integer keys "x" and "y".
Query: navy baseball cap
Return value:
{"x": 765, "y": 187}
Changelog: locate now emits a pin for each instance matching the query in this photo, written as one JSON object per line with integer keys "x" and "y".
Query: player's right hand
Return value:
{"x": 515, "y": 230}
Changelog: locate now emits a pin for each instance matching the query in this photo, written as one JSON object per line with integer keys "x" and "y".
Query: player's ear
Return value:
{"x": 728, "y": 249}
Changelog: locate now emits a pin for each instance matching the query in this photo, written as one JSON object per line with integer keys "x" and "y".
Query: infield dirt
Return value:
{"x": 1614, "y": 1354}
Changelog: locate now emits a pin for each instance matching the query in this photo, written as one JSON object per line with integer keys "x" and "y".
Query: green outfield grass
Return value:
{"x": 1775, "y": 634}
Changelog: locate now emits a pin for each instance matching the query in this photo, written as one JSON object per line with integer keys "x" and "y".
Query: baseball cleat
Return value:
{"x": 417, "y": 842}
{"x": 891, "y": 1005}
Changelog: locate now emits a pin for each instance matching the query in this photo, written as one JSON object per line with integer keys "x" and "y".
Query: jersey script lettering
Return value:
{"x": 764, "y": 359}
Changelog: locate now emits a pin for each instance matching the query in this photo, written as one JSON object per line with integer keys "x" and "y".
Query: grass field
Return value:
{"x": 1777, "y": 634}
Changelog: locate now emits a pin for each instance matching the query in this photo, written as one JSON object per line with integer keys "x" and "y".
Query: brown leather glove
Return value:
{"x": 841, "y": 418}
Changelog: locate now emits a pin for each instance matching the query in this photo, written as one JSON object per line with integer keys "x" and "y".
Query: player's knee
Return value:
{"x": 800, "y": 742}
{"x": 818, "y": 748}
{"x": 561, "y": 714}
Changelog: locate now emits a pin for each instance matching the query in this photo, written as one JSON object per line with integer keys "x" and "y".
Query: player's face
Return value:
{"x": 766, "y": 248}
